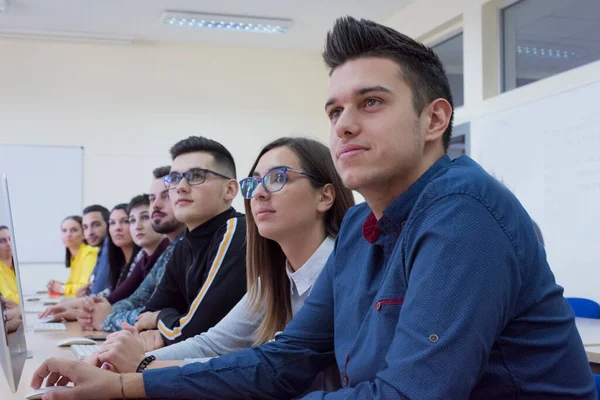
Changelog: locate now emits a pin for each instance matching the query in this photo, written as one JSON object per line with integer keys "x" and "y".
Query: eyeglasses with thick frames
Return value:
{"x": 195, "y": 176}
{"x": 273, "y": 181}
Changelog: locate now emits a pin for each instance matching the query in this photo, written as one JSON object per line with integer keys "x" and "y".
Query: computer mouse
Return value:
{"x": 37, "y": 394}
{"x": 75, "y": 340}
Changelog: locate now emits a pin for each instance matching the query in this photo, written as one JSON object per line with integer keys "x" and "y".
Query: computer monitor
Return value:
{"x": 13, "y": 348}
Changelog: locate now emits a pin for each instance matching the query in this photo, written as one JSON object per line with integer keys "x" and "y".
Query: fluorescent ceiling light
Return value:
{"x": 226, "y": 22}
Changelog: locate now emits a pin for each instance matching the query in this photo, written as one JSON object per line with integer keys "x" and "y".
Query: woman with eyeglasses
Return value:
{"x": 295, "y": 202}
{"x": 80, "y": 257}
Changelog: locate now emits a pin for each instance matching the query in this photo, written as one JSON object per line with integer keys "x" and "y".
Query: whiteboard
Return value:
{"x": 548, "y": 153}
{"x": 45, "y": 185}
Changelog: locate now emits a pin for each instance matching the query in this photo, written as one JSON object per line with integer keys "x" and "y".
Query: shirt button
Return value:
{"x": 345, "y": 380}
{"x": 434, "y": 338}
{"x": 378, "y": 306}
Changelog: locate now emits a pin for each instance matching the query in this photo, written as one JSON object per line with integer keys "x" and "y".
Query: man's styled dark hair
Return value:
{"x": 161, "y": 172}
{"x": 222, "y": 156}
{"x": 2, "y": 227}
{"x": 139, "y": 200}
{"x": 98, "y": 208}
{"x": 420, "y": 67}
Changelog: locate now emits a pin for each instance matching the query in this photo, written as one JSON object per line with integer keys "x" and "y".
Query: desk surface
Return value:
{"x": 43, "y": 346}
{"x": 589, "y": 330}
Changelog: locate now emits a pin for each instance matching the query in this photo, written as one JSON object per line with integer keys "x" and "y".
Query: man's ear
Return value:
{"x": 326, "y": 198}
{"x": 231, "y": 189}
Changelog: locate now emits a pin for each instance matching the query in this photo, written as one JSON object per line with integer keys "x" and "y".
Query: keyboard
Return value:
{"x": 34, "y": 310}
{"x": 49, "y": 327}
{"x": 81, "y": 351}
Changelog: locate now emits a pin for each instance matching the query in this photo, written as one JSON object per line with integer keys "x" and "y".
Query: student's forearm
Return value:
{"x": 133, "y": 386}
{"x": 157, "y": 364}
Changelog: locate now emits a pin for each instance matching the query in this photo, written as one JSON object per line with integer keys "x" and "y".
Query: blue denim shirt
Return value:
{"x": 447, "y": 296}
{"x": 101, "y": 272}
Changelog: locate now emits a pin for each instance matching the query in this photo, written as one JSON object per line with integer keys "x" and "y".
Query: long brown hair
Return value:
{"x": 264, "y": 257}
{"x": 68, "y": 254}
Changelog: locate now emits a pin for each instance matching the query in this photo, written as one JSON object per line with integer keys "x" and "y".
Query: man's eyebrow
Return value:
{"x": 362, "y": 91}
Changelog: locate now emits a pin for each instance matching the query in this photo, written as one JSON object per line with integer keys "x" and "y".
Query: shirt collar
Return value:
{"x": 303, "y": 278}
{"x": 397, "y": 212}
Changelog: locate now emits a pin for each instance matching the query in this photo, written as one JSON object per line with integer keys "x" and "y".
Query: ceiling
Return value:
{"x": 129, "y": 20}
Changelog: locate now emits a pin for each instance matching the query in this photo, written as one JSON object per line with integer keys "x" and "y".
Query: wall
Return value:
{"x": 427, "y": 20}
{"x": 127, "y": 104}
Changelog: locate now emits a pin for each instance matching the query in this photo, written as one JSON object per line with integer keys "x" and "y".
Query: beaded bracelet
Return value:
{"x": 144, "y": 364}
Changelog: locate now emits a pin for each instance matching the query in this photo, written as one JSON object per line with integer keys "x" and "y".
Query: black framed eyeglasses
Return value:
{"x": 195, "y": 176}
{"x": 273, "y": 181}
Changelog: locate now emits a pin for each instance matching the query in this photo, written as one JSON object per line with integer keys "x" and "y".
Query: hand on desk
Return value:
{"x": 54, "y": 286}
{"x": 146, "y": 321}
{"x": 90, "y": 382}
{"x": 65, "y": 310}
{"x": 125, "y": 350}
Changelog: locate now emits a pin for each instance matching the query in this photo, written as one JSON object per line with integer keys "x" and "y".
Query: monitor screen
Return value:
{"x": 13, "y": 349}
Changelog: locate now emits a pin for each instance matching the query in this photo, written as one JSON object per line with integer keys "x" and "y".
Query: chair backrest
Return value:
{"x": 597, "y": 377}
{"x": 584, "y": 308}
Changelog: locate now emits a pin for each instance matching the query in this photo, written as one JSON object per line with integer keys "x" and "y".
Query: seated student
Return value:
{"x": 8, "y": 279}
{"x": 152, "y": 245}
{"x": 111, "y": 317}
{"x": 95, "y": 229}
{"x": 206, "y": 276}
{"x": 298, "y": 202}
{"x": 80, "y": 257}
{"x": 122, "y": 254}
{"x": 437, "y": 287}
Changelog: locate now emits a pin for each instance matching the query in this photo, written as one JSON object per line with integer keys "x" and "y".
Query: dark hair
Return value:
{"x": 421, "y": 68}
{"x": 2, "y": 227}
{"x": 161, "y": 171}
{"x": 139, "y": 200}
{"x": 98, "y": 208}
{"x": 222, "y": 156}
{"x": 116, "y": 257}
{"x": 79, "y": 220}
{"x": 264, "y": 257}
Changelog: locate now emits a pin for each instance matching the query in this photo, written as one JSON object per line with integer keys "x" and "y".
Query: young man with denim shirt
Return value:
{"x": 437, "y": 287}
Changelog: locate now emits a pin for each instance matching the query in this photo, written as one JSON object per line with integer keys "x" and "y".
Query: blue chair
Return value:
{"x": 597, "y": 377}
{"x": 584, "y": 308}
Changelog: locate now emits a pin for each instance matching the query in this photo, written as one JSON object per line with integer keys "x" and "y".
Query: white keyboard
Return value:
{"x": 81, "y": 351}
{"x": 34, "y": 310}
{"x": 50, "y": 327}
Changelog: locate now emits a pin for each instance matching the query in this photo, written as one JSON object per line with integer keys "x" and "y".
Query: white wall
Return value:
{"x": 126, "y": 105}
{"x": 479, "y": 19}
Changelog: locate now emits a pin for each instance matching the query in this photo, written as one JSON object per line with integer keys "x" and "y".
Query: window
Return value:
{"x": 542, "y": 38}
{"x": 459, "y": 143}
{"x": 450, "y": 52}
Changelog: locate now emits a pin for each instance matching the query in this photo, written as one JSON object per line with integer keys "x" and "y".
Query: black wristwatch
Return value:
{"x": 144, "y": 364}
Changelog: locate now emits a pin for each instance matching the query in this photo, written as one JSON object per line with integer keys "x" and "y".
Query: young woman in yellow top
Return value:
{"x": 80, "y": 257}
{"x": 8, "y": 280}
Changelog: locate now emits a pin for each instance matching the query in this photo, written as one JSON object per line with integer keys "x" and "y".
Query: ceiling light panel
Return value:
{"x": 237, "y": 23}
